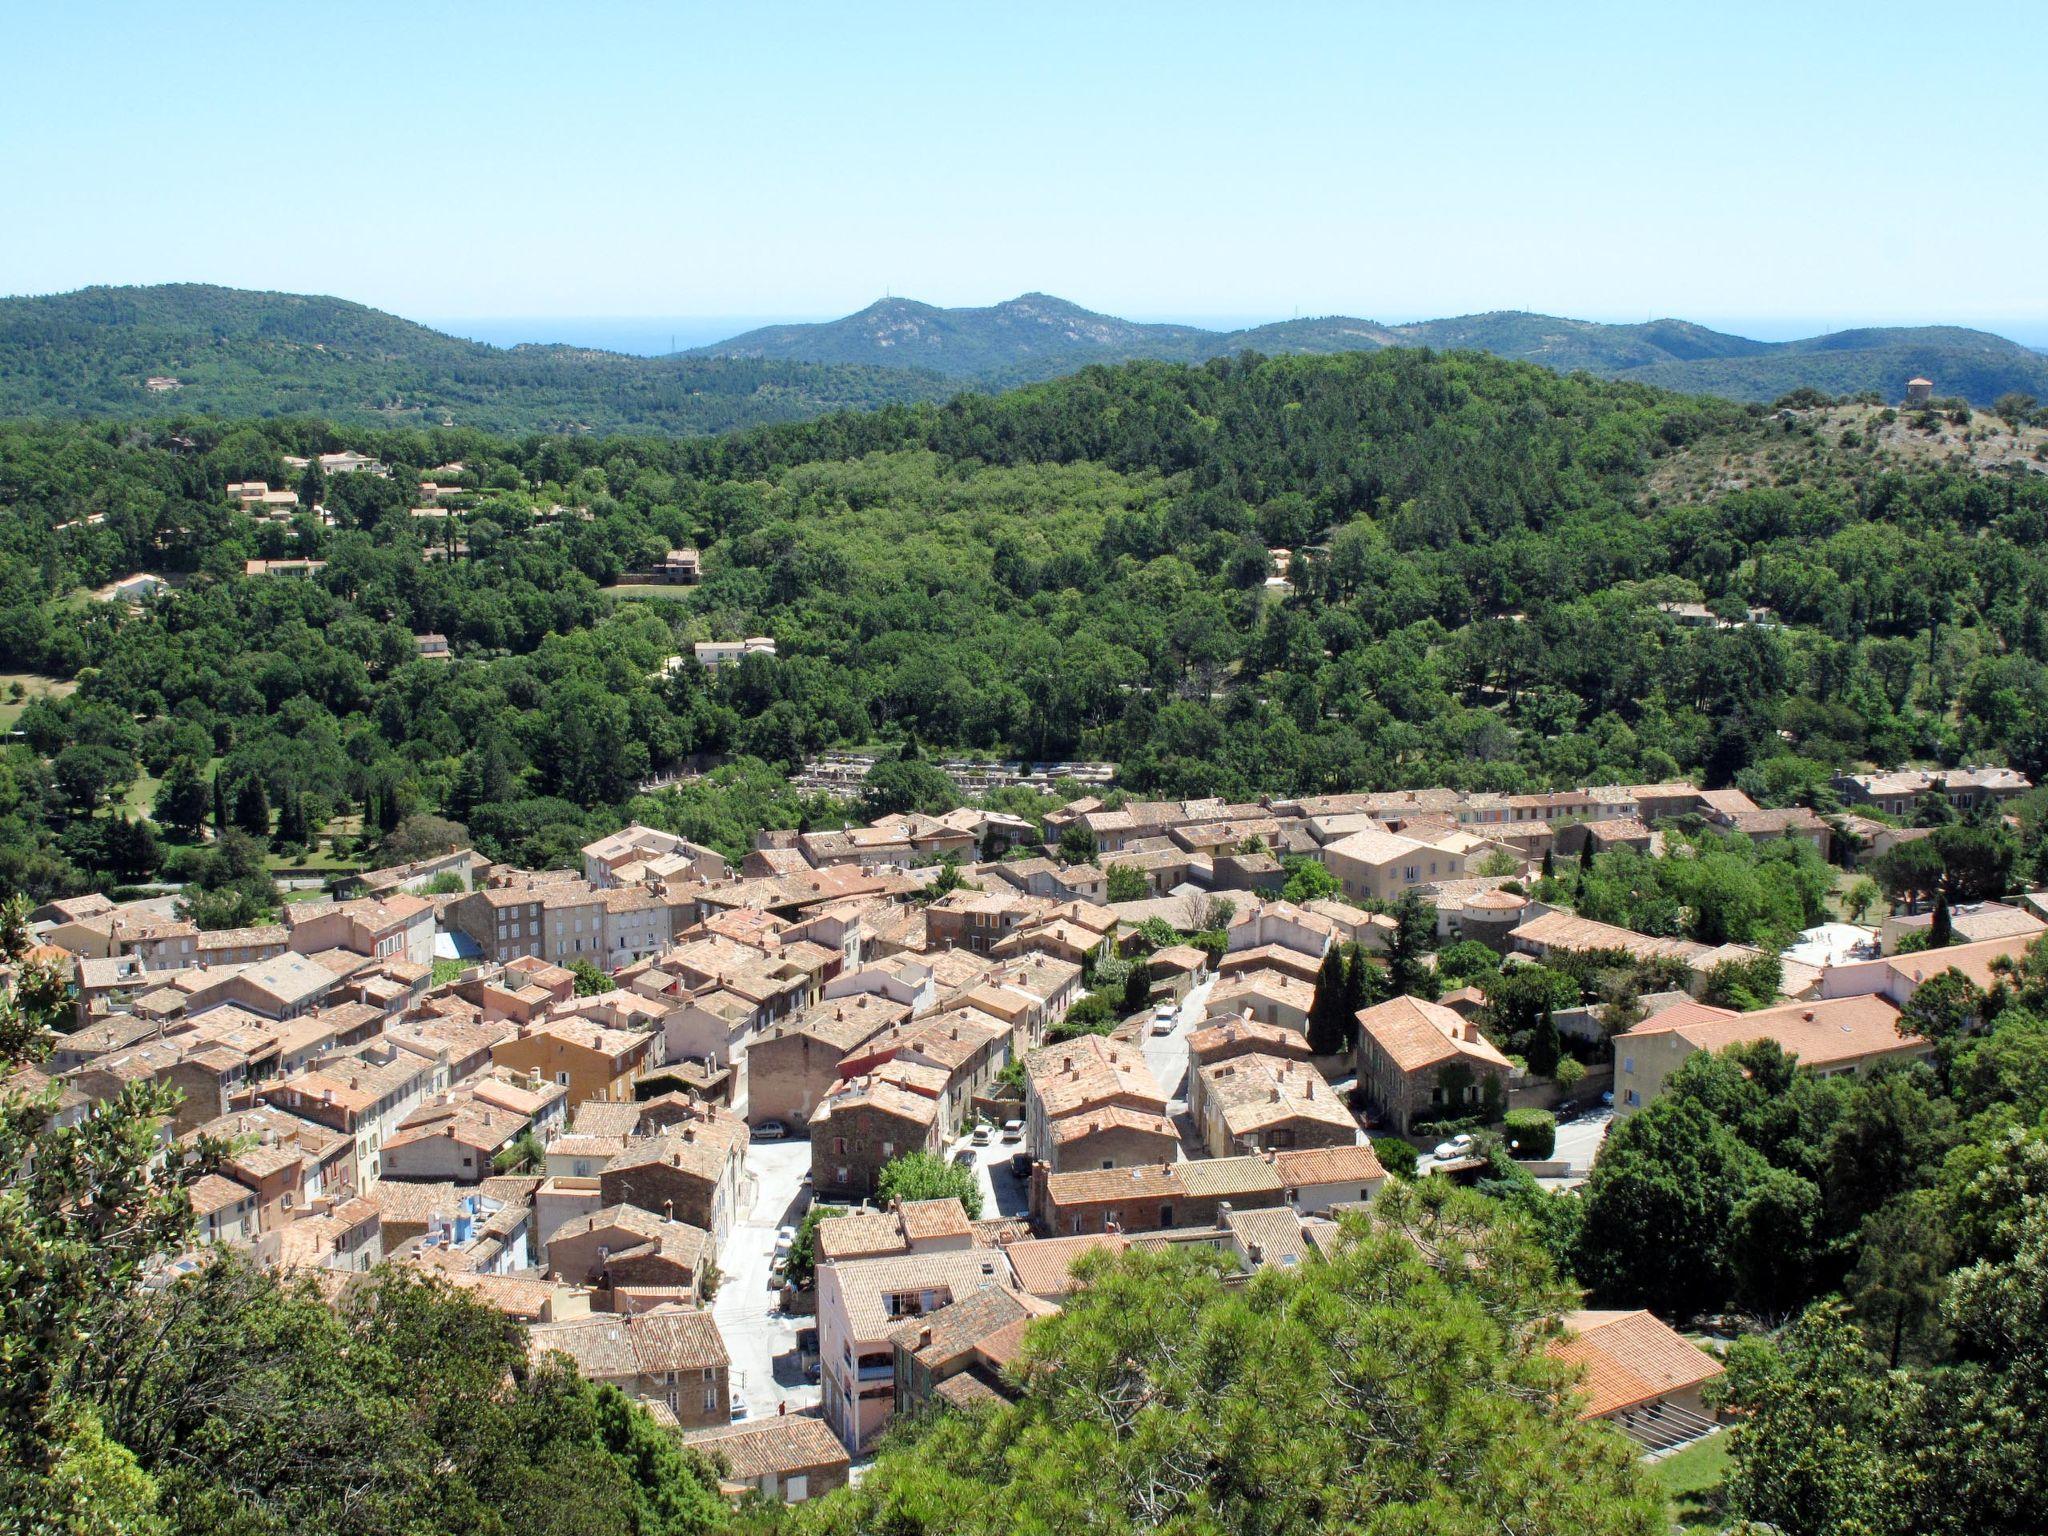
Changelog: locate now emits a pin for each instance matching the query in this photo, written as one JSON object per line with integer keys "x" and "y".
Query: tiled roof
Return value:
{"x": 1819, "y": 1033}
{"x": 1329, "y": 1165}
{"x": 786, "y": 1445}
{"x": 608, "y": 1346}
{"x": 1417, "y": 1035}
{"x": 1043, "y": 1266}
{"x": 1629, "y": 1358}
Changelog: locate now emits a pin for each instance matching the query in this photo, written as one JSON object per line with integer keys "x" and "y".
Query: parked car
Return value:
{"x": 785, "y": 1239}
{"x": 982, "y": 1136}
{"x": 1013, "y": 1130}
{"x": 1162, "y": 1023}
{"x": 964, "y": 1158}
{"x": 739, "y": 1400}
{"x": 770, "y": 1130}
{"x": 1020, "y": 1164}
{"x": 1443, "y": 1151}
{"x": 1607, "y": 1100}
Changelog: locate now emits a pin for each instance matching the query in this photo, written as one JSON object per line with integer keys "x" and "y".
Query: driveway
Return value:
{"x": 1579, "y": 1140}
{"x": 760, "y": 1340}
{"x": 1002, "y": 1192}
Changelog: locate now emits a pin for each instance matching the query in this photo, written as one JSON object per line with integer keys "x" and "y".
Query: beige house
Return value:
{"x": 671, "y": 1356}
{"x": 1843, "y": 1036}
{"x": 1420, "y": 1061}
{"x": 1256, "y": 1102}
{"x": 1377, "y": 865}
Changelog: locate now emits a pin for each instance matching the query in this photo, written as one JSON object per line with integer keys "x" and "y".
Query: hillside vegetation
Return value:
{"x": 1037, "y": 337}
{"x": 235, "y": 353}
{"x": 1078, "y": 569}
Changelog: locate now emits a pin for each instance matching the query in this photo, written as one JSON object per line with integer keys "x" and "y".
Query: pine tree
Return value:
{"x": 252, "y": 807}
{"x": 181, "y": 799}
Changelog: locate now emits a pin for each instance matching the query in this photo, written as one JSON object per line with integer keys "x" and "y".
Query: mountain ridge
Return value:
{"x": 1047, "y": 335}
{"x": 241, "y": 352}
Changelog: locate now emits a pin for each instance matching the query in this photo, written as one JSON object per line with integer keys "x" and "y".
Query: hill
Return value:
{"x": 232, "y": 352}
{"x": 1038, "y": 337}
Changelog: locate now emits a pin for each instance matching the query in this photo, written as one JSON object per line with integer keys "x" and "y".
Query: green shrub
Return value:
{"x": 1396, "y": 1156}
{"x": 1531, "y": 1133}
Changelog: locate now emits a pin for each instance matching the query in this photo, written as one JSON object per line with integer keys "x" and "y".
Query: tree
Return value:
{"x": 1944, "y": 1007}
{"x": 87, "y": 774}
{"x": 313, "y": 484}
{"x": 1549, "y": 867}
{"x": 2016, "y": 410}
{"x": 130, "y": 848}
{"x": 590, "y": 981}
{"x": 1077, "y": 844}
{"x": 1331, "y": 1021}
{"x": 801, "y": 1265}
{"x": 1126, "y": 883}
{"x": 182, "y": 798}
{"x": 927, "y": 1176}
{"x": 1163, "y": 1398}
{"x": 1860, "y": 897}
{"x": 421, "y": 836}
{"x": 1807, "y": 1446}
{"x": 1307, "y": 880}
{"x": 1545, "y": 1045}
{"x": 1659, "y": 1207}
{"x": 1409, "y": 944}
{"x": 1940, "y": 927}
{"x": 901, "y": 786}
{"x": 1137, "y": 988}
{"x": 252, "y": 807}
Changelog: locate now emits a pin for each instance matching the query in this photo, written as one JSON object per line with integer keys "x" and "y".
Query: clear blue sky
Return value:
{"x": 1775, "y": 165}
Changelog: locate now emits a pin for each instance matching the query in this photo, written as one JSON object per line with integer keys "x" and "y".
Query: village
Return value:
{"x": 653, "y": 1108}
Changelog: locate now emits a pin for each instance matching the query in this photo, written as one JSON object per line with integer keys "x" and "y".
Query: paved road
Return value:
{"x": 1167, "y": 1055}
{"x": 760, "y": 1340}
{"x": 1579, "y": 1141}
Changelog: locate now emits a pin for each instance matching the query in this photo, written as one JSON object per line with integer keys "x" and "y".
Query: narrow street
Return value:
{"x": 760, "y": 1340}
{"x": 1167, "y": 1056}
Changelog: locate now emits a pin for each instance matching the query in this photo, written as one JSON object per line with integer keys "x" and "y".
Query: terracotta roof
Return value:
{"x": 783, "y": 1446}
{"x": 1818, "y": 1033}
{"x": 1629, "y": 1358}
{"x": 607, "y": 1346}
{"x": 1080, "y": 1074}
{"x": 1329, "y": 1165}
{"x": 1044, "y": 1265}
{"x": 1417, "y": 1035}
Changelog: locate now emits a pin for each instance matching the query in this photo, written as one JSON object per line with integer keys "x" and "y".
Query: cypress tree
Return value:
{"x": 1940, "y": 928}
{"x": 1329, "y": 1016}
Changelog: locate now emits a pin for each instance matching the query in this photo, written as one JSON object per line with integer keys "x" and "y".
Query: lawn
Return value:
{"x": 34, "y": 686}
{"x": 1692, "y": 1479}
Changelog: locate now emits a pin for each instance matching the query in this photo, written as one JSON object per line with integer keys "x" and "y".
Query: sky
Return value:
{"x": 1778, "y": 168}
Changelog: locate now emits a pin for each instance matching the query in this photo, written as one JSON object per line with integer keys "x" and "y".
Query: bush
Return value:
{"x": 1396, "y": 1156}
{"x": 1570, "y": 1072}
{"x": 1531, "y": 1133}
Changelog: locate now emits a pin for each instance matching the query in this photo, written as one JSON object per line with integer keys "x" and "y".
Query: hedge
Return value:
{"x": 1531, "y": 1133}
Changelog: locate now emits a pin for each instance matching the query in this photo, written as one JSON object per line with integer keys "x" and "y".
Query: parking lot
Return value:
{"x": 1003, "y": 1193}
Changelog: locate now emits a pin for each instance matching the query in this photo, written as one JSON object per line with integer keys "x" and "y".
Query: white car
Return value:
{"x": 1444, "y": 1151}
{"x": 785, "y": 1239}
{"x": 1013, "y": 1130}
{"x": 982, "y": 1136}
{"x": 770, "y": 1130}
{"x": 739, "y": 1401}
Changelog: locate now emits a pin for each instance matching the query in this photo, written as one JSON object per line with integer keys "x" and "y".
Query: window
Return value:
{"x": 796, "y": 1488}
{"x": 562, "y": 1078}
{"x": 1628, "y": 1063}
{"x": 1634, "y": 1098}
{"x": 1166, "y": 1216}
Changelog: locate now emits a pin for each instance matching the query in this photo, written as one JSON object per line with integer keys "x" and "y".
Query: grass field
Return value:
{"x": 673, "y": 594}
{"x": 34, "y": 686}
{"x": 1693, "y": 1480}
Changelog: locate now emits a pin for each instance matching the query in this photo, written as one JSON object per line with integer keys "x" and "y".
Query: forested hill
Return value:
{"x": 1077, "y": 569}
{"x": 234, "y": 353}
{"x": 1037, "y": 336}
